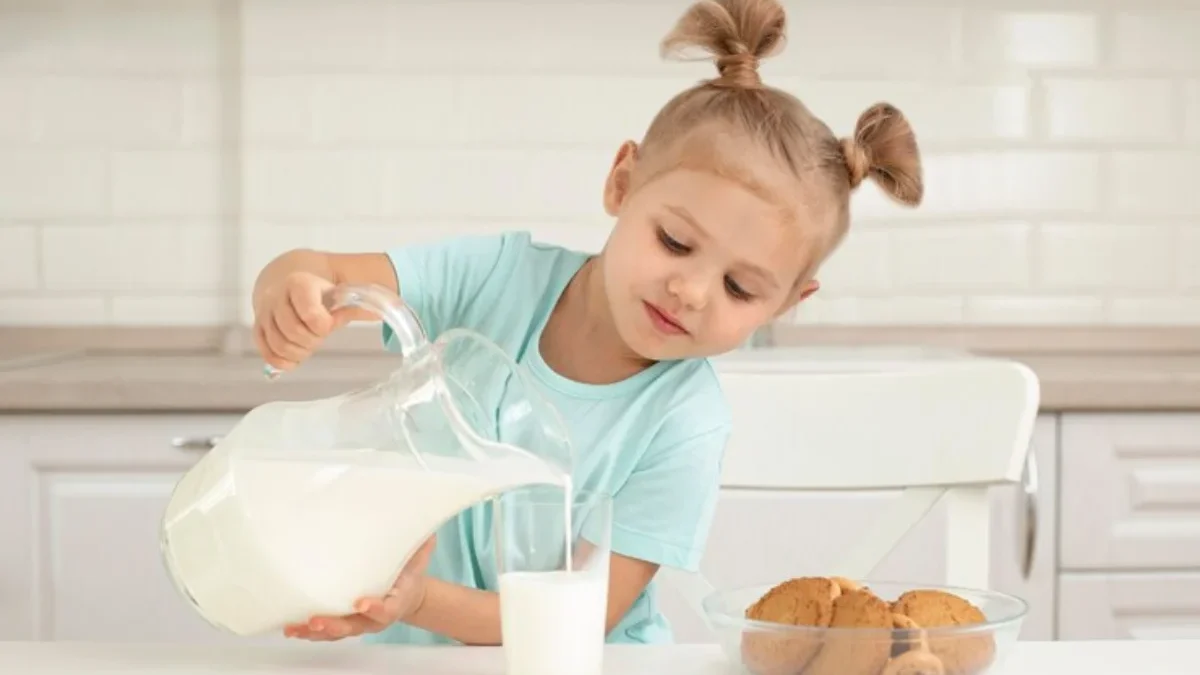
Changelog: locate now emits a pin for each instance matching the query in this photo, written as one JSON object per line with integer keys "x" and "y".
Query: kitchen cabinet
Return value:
{"x": 1130, "y": 542}
{"x": 81, "y": 498}
{"x": 1131, "y": 492}
{"x": 1116, "y": 552}
{"x": 1159, "y": 605}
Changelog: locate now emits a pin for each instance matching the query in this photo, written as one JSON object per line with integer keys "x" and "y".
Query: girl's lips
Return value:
{"x": 664, "y": 322}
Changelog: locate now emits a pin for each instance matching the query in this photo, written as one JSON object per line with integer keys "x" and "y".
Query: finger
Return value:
{"x": 310, "y": 310}
{"x": 361, "y": 623}
{"x": 268, "y": 354}
{"x": 378, "y": 611}
{"x": 283, "y": 348}
{"x": 273, "y": 339}
{"x": 327, "y": 628}
{"x": 295, "y": 330}
{"x": 344, "y": 626}
{"x": 343, "y": 316}
{"x": 297, "y": 631}
{"x": 396, "y": 601}
{"x": 305, "y": 633}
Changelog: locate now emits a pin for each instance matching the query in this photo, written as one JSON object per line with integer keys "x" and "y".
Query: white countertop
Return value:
{"x": 55, "y": 380}
{"x": 63, "y": 658}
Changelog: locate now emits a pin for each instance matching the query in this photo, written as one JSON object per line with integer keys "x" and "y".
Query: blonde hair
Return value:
{"x": 737, "y": 34}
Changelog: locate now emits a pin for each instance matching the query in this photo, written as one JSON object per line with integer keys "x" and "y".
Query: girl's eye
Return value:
{"x": 670, "y": 243}
{"x": 735, "y": 290}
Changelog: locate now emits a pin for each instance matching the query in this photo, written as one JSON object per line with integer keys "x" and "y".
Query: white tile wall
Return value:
{"x": 154, "y": 155}
{"x": 1048, "y": 38}
{"x": 1135, "y": 109}
{"x": 1191, "y": 111}
{"x": 112, "y": 174}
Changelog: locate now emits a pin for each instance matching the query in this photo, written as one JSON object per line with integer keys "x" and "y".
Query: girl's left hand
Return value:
{"x": 374, "y": 614}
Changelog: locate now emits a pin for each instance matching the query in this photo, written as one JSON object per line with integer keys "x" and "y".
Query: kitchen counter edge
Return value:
{"x": 209, "y": 383}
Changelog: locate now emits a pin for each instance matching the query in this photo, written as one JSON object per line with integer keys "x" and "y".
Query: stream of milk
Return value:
{"x": 270, "y": 538}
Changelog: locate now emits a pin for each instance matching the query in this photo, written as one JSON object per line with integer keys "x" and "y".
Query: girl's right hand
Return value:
{"x": 291, "y": 319}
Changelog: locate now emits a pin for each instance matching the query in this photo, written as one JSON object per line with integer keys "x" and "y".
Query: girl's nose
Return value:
{"x": 692, "y": 290}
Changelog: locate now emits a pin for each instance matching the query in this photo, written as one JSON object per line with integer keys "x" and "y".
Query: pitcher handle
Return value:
{"x": 394, "y": 312}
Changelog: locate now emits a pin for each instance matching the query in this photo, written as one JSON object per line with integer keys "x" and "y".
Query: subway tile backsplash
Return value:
{"x": 1134, "y": 110}
{"x": 153, "y": 156}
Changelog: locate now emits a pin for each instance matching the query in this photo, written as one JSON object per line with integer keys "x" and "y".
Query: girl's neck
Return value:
{"x": 580, "y": 341}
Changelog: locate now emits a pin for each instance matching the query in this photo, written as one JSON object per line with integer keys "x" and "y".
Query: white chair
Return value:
{"x": 941, "y": 429}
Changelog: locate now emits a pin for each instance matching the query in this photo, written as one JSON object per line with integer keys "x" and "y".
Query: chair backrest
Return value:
{"x": 943, "y": 428}
{"x": 877, "y": 424}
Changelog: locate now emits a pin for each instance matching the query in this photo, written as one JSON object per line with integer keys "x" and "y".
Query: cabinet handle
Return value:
{"x": 1029, "y": 490}
{"x": 200, "y": 444}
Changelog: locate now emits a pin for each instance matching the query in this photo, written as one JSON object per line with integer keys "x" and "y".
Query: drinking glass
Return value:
{"x": 552, "y": 612}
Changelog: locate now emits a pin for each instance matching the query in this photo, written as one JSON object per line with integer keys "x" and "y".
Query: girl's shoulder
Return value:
{"x": 692, "y": 396}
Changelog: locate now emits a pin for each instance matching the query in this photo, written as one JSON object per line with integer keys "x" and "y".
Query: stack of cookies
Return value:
{"x": 898, "y": 645}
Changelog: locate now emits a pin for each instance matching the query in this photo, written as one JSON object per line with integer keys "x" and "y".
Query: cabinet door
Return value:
{"x": 764, "y": 537}
{"x": 1130, "y": 606}
{"x": 82, "y": 498}
{"x": 1130, "y": 491}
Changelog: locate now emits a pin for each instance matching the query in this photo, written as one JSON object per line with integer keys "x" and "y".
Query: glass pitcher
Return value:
{"x": 305, "y": 507}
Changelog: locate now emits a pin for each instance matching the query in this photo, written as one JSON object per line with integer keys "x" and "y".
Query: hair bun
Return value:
{"x": 737, "y": 33}
{"x": 884, "y": 147}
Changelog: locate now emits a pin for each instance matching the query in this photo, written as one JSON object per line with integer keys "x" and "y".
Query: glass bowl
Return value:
{"x": 767, "y": 648}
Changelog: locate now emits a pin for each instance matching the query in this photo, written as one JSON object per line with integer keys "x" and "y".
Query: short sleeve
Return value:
{"x": 664, "y": 511}
{"x": 444, "y": 281}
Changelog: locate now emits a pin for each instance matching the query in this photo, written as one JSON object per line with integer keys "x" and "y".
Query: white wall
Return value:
{"x": 1062, "y": 146}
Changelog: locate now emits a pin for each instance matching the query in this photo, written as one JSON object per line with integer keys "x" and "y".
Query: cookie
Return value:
{"x": 854, "y": 652}
{"x": 937, "y": 608}
{"x": 805, "y": 601}
{"x": 914, "y": 662}
{"x": 846, "y": 585}
{"x": 907, "y": 635}
{"x": 910, "y": 650}
{"x": 960, "y": 654}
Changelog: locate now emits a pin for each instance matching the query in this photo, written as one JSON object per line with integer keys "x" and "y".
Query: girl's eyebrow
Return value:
{"x": 749, "y": 267}
{"x": 759, "y": 272}
{"x": 686, "y": 215}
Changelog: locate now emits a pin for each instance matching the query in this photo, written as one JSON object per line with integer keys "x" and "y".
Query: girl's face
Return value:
{"x": 696, "y": 262}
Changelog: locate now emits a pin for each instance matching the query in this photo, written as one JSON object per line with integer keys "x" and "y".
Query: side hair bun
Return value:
{"x": 884, "y": 148}
{"x": 736, "y": 33}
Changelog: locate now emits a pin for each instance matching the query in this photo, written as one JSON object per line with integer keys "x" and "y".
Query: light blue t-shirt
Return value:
{"x": 654, "y": 441}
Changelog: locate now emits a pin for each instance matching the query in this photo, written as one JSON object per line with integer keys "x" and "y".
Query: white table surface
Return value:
{"x": 63, "y": 658}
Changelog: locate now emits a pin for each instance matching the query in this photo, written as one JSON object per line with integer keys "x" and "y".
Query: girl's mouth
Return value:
{"x": 664, "y": 322}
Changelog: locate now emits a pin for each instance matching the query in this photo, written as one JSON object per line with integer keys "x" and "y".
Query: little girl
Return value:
{"x": 724, "y": 213}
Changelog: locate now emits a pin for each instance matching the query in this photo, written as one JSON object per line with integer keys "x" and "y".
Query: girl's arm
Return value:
{"x": 333, "y": 268}
{"x": 472, "y": 616}
{"x": 290, "y": 316}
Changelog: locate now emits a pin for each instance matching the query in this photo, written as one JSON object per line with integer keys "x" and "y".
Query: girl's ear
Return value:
{"x": 616, "y": 188}
{"x": 802, "y": 292}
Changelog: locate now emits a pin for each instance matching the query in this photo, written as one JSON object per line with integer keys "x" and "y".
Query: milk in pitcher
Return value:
{"x": 264, "y": 539}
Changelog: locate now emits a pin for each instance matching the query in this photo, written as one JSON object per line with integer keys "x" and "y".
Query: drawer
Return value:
{"x": 1129, "y": 606}
{"x": 1130, "y": 491}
